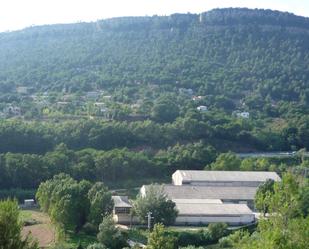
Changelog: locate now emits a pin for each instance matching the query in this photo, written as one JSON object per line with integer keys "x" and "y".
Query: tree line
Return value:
{"x": 120, "y": 168}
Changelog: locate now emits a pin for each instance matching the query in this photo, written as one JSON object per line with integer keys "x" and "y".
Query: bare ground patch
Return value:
{"x": 43, "y": 232}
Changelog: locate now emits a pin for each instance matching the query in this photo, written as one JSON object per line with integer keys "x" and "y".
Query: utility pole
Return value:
{"x": 149, "y": 217}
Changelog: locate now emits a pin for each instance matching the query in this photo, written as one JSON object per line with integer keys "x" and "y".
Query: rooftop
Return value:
{"x": 243, "y": 176}
{"x": 208, "y": 192}
{"x": 197, "y": 201}
{"x": 207, "y": 209}
{"x": 121, "y": 201}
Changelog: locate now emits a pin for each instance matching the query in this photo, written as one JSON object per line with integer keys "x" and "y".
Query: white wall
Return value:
{"x": 177, "y": 178}
{"x": 231, "y": 220}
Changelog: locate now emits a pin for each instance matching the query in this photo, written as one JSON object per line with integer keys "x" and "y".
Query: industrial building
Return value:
{"x": 212, "y": 211}
{"x": 240, "y": 195}
{"x": 222, "y": 178}
{"x": 203, "y": 197}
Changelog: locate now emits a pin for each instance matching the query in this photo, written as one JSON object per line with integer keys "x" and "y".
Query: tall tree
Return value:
{"x": 101, "y": 203}
{"x": 159, "y": 240}
{"x": 285, "y": 227}
{"x": 10, "y": 228}
{"x": 162, "y": 209}
{"x": 109, "y": 235}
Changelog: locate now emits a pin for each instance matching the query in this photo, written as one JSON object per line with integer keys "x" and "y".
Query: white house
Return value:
{"x": 12, "y": 110}
{"x": 29, "y": 203}
{"x": 196, "y": 98}
{"x": 202, "y": 108}
{"x": 22, "y": 89}
{"x": 242, "y": 114}
{"x": 92, "y": 95}
{"x": 187, "y": 91}
{"x": 122, "y": 210}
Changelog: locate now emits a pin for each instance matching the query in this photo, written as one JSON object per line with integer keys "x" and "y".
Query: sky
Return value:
{"x": 18, "y": 14}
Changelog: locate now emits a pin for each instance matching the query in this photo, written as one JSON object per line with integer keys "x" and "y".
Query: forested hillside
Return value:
{"x": 255, "y": 55}
{"x": 165, "y": 92}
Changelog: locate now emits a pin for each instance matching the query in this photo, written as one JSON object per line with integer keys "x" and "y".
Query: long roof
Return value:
{"x": 227, "y": 176}
{"x": 206, "y": 209}
{"x": 207, "y": 192}
{"x": 197, "y": 201}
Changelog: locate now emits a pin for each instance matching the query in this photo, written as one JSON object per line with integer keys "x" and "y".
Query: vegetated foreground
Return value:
{"x": 42, "y": 230}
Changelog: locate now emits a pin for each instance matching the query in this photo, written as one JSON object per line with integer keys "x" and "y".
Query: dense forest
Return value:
{"x": 150, "y": 93}
{"x": 253, "y": 55}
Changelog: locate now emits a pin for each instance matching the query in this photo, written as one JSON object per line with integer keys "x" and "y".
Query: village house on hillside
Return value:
{"x": 202, "y": 108}
{"x": 203, "y": 197}
{"x": 239, "y": 114}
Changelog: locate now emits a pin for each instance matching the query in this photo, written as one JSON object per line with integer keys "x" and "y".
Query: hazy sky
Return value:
{"x": 17, "y": 14}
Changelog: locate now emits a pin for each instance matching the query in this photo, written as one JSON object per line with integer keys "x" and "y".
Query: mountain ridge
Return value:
{"x": 223, "y": 51}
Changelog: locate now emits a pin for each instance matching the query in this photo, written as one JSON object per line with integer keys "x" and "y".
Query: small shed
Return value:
{"x": 29, "y": 203}
{"x": 122, "y": 210}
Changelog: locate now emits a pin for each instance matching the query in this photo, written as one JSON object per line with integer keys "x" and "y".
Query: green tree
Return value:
{"x": 101, "y": 203}
{"x": 109, "y": 235}
{"x": 286, "y": 227}
{"x": 226, "y": 161}
{"x": 217, "y": 230}
{"x": 65, "y": 200}
{"x": 159, "y": 240}
{"x": 10, "y": 228}
{"x": 164, "y": 110}
{"x": 155, "y": 201}
{"x": 96, "y": 246}
{"x": 262, "y": 195}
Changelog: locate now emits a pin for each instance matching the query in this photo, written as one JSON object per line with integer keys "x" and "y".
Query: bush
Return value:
{"x": 217, "y": 230}
{"x": 199, "y": 238}
{"x": 96, "y": 246}
{"x": 90, "y": 229}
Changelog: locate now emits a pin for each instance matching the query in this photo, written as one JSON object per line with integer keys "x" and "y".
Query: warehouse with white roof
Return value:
{"x": 222, "y": 178}
{"x": 203, "y": 197}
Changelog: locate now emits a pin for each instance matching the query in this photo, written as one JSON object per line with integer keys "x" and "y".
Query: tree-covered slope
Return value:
{"x": 255, "y": 55}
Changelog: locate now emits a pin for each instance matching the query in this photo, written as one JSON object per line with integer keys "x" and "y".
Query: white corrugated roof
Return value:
{"x": 207, "y": 192}
{"x": 212, "y": 209}
{"x": 228, "y": 176}
{"x": 197, "y": 201}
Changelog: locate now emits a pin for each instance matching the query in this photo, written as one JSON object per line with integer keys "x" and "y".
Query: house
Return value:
{"x": 242, "y": 114}
{"x": 196, "y": 98}
{"x": 28, "y": 203}
{"x": 92, "y": 95}
{"x": 222, "y": 178}
{"x": 122, "y": 210}
{"x": 62, "y": 103}
{"x": 22, "y": 89}
{"x": 202, "y": 108}
{"x": 107, "y": 97}
{"x": 12, "y": 111}
{"x": 187, "y": 91}
{"x": 99, "y": 104}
